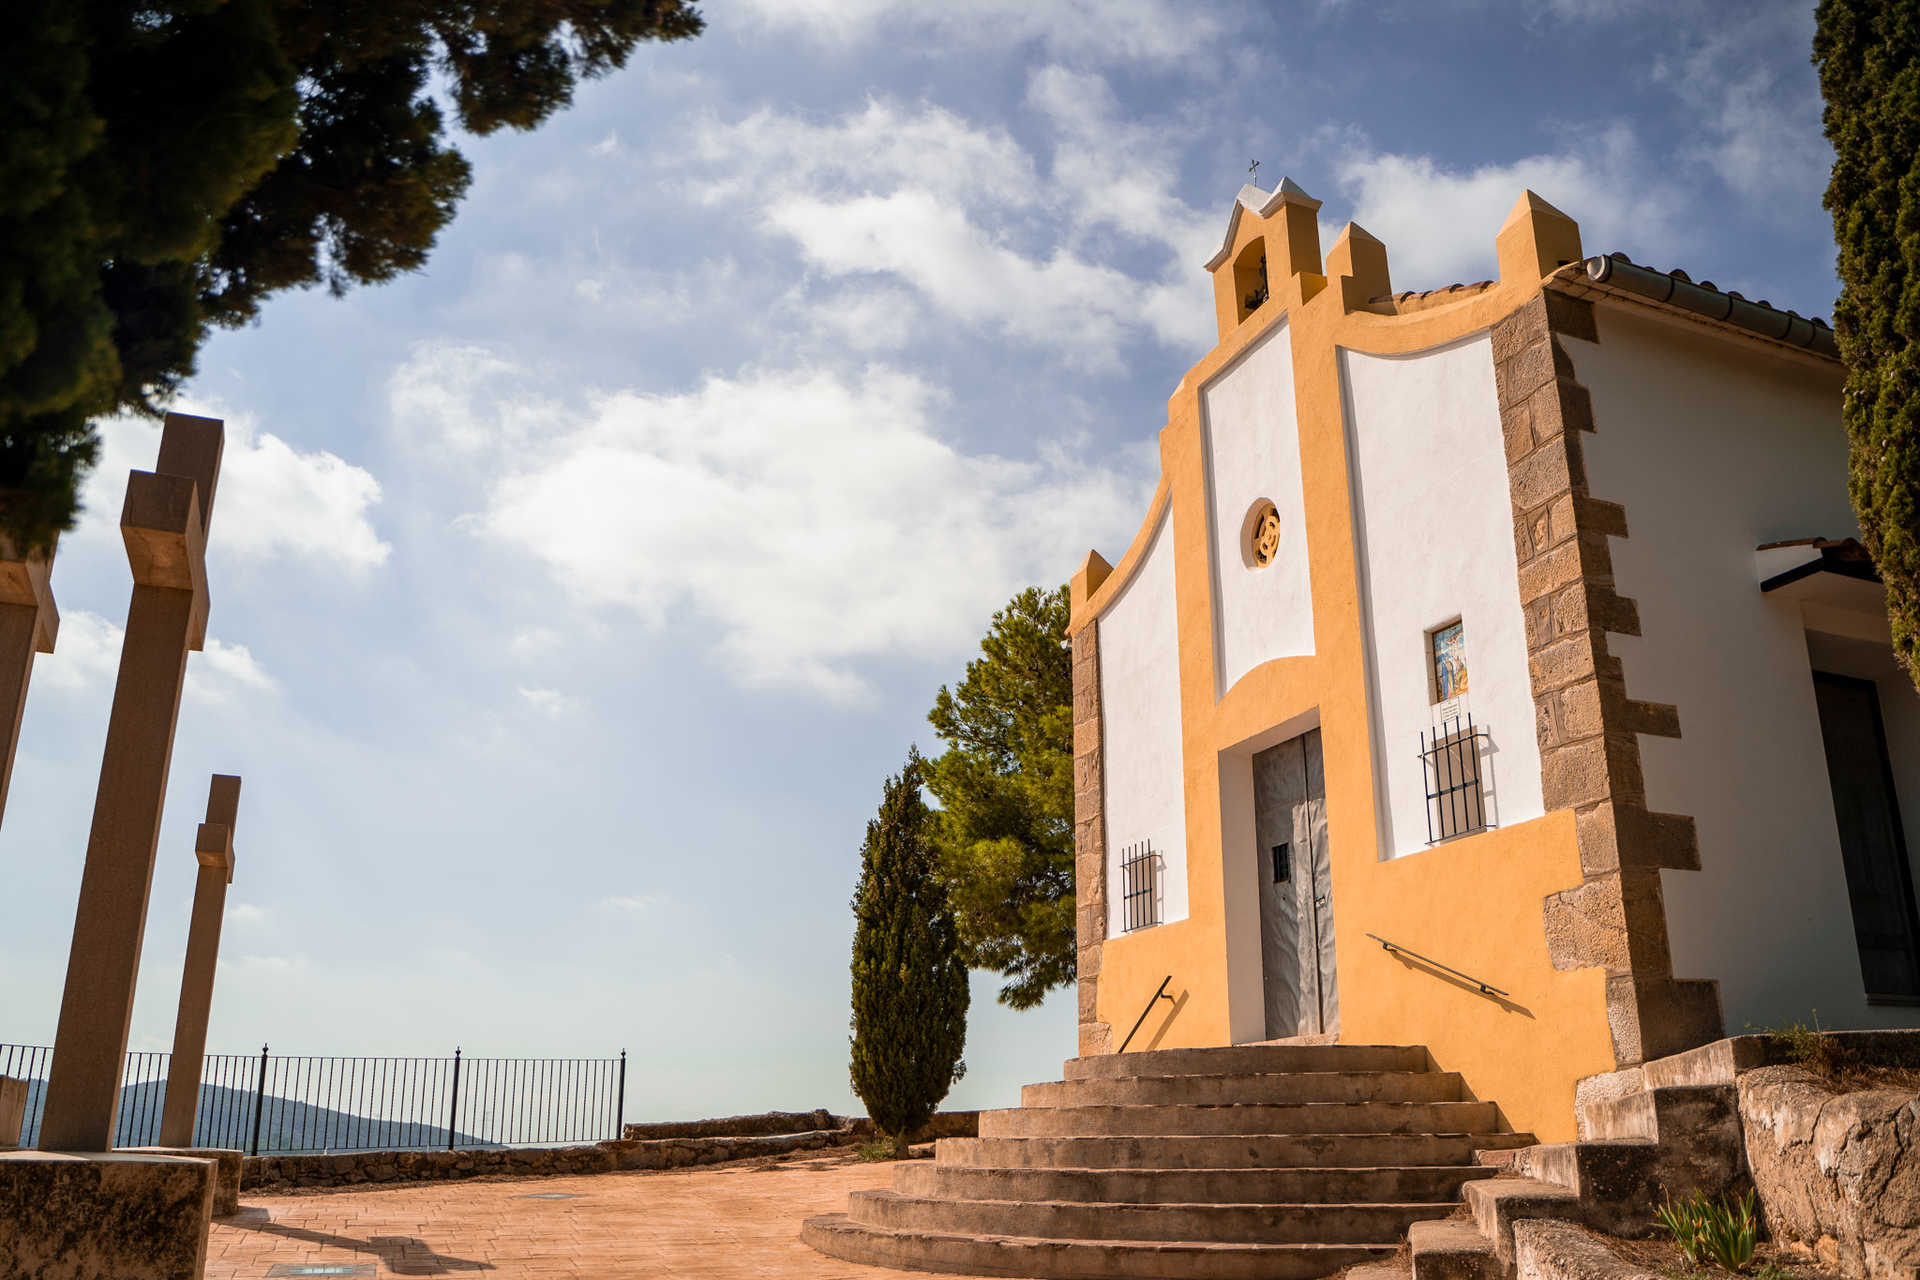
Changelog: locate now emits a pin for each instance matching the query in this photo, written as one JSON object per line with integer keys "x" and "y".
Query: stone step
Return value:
{"x": 1264, "y": 1087}
{"x": 1403, "y": 1184}
{"x": 1249, "y": 1059}
{"x": 1080, "y": 1220}
{"x": 1269, "y": 1151}
{"x": 1067, "y": 1259}
{"x": 1452, "y": 1249}
{"x": 1311, "y": 1117}
{"x": 1497, "y": 1203}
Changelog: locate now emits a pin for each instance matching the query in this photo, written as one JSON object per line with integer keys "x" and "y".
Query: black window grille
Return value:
{"x": 1140, "y": 887}
{"x": 1456, "y": 799}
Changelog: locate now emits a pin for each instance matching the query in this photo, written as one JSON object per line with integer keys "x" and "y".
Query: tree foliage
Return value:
{"x": 909, "y": 978}
{"x": 1868, "y": 55}
{"x": 167, "y": 165}
{"x": 1005, "y": 786}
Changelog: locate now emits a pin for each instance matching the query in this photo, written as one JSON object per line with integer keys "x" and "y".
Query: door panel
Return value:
{"x": 1872, "y": 843}
{"x": 1314, "y": 819}
{"x": 1296, "y": 901}
{"x": 1279, "y": 788}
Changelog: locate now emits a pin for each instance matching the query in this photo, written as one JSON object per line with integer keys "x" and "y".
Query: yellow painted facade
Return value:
{"x": 1475, "y": 901}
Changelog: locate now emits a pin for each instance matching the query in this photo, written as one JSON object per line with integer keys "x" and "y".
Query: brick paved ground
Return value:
{"x": 730, "y": 1222}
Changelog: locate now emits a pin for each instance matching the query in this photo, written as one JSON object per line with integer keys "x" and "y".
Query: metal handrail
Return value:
{"x": 1158, "y": 996}
{"x": 1447, "y": 968}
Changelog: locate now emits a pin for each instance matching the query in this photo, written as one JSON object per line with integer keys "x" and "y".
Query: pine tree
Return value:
{"x": 1868, "y": 53}
{"x": 168, "y": 165}
{"x": 1005, "y": 787}
{"x": 909, "y": 980}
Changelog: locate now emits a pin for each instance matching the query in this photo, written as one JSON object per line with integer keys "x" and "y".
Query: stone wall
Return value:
{"x": 1837, "y": 1171}
{"x": 290, "y": 1171}
{"x": 766, "y": 1122}
{"x": 695, "y": 1143}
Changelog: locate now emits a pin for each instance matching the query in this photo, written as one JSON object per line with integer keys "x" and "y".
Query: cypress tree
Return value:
{"x": 909, "y": 979}
{"x": 1868, "y": 55}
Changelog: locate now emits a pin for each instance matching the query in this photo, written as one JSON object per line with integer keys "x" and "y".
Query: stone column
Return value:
{"x": 29, "y": 622}
{"x": 213, "y": 846}
{"x": 1089, "y": 810}
{"x": 164, "y": 524}
{"x": 1587, "y": 725}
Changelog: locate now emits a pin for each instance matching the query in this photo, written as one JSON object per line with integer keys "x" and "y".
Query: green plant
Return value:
{"x": 909, "y": 979}
{"x": 1005, "y": 787}
{"x": 880, "y": 1149}
{"x": 1868, "y": 55}
{"x": 1812, "y": 1048}
{"x": 1722, "y": 1231}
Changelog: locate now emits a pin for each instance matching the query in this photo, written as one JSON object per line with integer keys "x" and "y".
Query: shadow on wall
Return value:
{"x": 1435, "y": 971}
{"x": 1160, "y": 1032}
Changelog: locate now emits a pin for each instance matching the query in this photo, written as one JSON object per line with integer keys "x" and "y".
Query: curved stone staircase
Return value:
{"x": 1283, "y": 1162}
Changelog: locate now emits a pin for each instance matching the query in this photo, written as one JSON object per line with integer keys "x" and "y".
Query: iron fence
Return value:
{"x": 274, "y": 1104}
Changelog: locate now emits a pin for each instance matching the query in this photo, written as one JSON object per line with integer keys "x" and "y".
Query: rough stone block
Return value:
{"x": 1575, "y": 774}
{"x": 1096, "y": 1038}
{"x": 1586, "y": 927}
{"x": 1551, "y": 571}
{"x": 1519, "y": 330}
{"x": 1600, "y": 516}
{"x": 65, "y": 1216}
{"x": 227, "y": 1163}
{"x": 1559, "y": 663}
{"x": 1532, "y": 367}
{"x": 1656, "y": 719}
{"x": 1516, "y": 428}
{"x": 1539, "y": 619}
{"x": 1540, "y": 477}
{"x": 1570, "y": 317}
{"x": 1578, "y": 710}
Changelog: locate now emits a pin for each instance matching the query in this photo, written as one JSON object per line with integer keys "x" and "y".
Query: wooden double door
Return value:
{"x": 1296, "y": 889}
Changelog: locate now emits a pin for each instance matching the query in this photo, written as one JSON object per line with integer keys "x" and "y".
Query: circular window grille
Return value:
{"x": 1262, "y": 534}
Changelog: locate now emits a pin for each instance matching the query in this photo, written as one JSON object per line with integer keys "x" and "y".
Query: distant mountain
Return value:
{"x": 226, "y": 1120}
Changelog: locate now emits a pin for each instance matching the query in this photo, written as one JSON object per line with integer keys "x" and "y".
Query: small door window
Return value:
{"x": 1282, "y": 863}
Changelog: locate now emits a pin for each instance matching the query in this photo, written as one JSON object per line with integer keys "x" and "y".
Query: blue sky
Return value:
{"x": 572, "y": 597}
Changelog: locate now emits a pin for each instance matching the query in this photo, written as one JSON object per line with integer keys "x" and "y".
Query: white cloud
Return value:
{"x": 634, "y": 904}
{"x": 813, "y": 521}
{"x": 87, "y": 657}
{"x": 1153, "y": 31}
{"x": 550, "y": 702}
{"x": 1439, "y": 224}
{"x": 86, "y": 654}
{"x": 272, "y": 500}
{"x": 224, "y": 673}
{"x": 879, "y": 147}
{"x": 962, "y": 214}
{"x": 1761, "y": 123}
{"x": 246, "y": 913}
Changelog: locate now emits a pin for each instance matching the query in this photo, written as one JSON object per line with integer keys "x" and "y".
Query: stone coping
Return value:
{"x": 288, "y": 1172}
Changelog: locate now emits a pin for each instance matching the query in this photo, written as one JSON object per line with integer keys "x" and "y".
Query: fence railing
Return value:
{"x": 276, "y": 1104}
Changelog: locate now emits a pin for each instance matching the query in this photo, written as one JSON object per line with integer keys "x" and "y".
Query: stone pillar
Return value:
{"x": 1587, "y": 726}
{"x": 29, "y": 621}
{"x": 213, "y": 846}
{"x": 1089, "y": 812}
{"x": 164, "y": 524}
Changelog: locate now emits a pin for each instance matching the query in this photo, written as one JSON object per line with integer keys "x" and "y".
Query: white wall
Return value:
{"x": 1714, "y": 450}
{"x": 1140, "y": 725}
{"x": 1252, "y": 448}
{"x": 1435, "y": 542}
